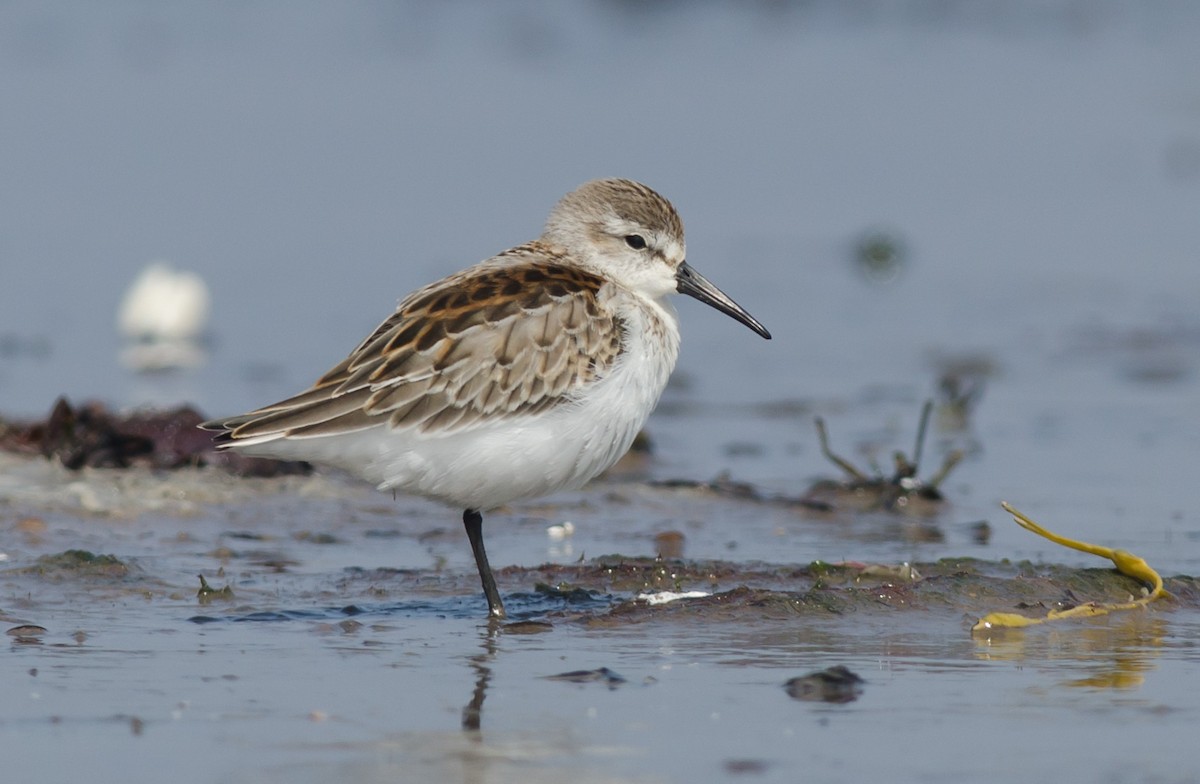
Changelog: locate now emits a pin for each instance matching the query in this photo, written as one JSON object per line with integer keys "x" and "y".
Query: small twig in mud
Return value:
{"x": 903, "y": 484}
{"x": 837, "y": 460}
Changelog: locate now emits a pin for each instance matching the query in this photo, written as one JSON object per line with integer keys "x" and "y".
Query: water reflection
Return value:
{"x": 1115, "y": 653}
{"x": 472, "y": 714}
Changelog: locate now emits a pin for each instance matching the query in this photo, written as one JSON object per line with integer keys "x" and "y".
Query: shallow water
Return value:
{"x": 354, "y": 648}
{"x": 1035, "y": 169}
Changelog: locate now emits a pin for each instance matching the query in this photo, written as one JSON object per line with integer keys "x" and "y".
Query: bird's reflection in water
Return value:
{"x": 472, "y": 714}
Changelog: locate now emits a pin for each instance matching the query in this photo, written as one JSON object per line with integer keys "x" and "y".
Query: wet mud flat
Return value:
{"x": 338, "y": 632}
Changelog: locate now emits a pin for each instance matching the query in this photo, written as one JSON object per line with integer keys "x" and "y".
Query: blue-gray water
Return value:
{"x": 1037, "y": 164}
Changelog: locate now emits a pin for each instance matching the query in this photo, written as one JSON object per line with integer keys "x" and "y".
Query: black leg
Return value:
{"x": 473, "y": 521}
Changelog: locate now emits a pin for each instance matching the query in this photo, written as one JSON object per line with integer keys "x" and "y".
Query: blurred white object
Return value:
{"x": 164, "y": 304}
{"x": 662, "y": 597}
{"x": 163, "y": 316}
{"x": 560, "y": 532}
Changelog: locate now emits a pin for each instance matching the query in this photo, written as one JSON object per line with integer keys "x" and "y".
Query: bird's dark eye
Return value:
{"x": 635, "y": 241}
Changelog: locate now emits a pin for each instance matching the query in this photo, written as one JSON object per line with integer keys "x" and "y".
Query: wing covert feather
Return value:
{"x": 509, "y": 337}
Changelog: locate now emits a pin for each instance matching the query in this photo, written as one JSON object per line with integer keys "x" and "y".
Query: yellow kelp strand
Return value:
{"x": 1126, "y": 563}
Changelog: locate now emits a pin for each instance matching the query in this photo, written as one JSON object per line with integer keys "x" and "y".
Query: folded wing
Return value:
{"x": 496, "y": 341}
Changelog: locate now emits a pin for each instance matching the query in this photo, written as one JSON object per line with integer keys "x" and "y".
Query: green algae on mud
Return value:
{"x": 77, "y": 564}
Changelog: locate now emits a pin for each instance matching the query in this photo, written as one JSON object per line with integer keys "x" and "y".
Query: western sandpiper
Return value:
{"x": 528, "y": 373}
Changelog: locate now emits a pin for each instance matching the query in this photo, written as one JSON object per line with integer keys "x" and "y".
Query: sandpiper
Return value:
{"x": 528, "y": 373}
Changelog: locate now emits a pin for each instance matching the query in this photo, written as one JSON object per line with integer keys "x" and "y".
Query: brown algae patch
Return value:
{"x": 93, "y": 436}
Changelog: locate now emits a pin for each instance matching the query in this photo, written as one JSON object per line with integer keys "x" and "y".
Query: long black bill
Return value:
{"x": 692, "y": 283}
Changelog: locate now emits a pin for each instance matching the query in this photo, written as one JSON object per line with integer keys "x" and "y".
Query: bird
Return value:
{"x": 528, "y": 373}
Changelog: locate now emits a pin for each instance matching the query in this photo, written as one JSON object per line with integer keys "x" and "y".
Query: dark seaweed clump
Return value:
{"x": 93, "y": 436}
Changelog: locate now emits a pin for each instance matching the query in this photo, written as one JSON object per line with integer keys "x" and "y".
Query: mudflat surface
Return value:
{"x": 342, "y": 635}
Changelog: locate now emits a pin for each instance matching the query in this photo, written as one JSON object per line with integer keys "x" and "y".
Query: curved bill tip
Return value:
{"x": 692, "y": 283}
